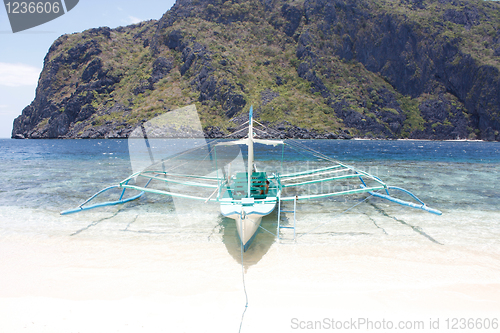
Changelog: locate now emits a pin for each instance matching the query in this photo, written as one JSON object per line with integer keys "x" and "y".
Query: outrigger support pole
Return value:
{"x": 420, "y": 205}
{"x": 103, "y": 204}
{"x": 108, "y": 203}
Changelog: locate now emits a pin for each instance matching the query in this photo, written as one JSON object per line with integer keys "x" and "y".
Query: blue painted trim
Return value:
{"x": 405, "y": 191}
{"x": 247, "y": 245}
{"x": 256, "y": 213}
{"x": 422, "y": 205}
{"x": 362, "y": 181}
{"x": 103, "y": 204}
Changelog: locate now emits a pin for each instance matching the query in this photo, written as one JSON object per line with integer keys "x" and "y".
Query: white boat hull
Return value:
{"x": 247, "y": 218}
{"x": 247, "y": 228}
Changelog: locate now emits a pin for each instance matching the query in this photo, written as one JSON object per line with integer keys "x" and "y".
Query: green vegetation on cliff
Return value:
{"x": 314, "y": 68}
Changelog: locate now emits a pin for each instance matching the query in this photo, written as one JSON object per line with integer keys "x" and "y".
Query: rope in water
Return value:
{"x": 244, "y": 288}
{"x": 243, "y": 267}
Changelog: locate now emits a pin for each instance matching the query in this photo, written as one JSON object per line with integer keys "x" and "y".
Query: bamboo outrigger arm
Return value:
{"x": 120, "y": 201}
{"x": 421, "y": 205}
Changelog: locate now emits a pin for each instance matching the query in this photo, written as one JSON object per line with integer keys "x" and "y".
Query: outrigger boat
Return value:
{"x": 246, "y": 195}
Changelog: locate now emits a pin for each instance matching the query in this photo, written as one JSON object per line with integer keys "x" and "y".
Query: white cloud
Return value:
{"x": 17, "y": 75}
{"x": 134, "y": 20}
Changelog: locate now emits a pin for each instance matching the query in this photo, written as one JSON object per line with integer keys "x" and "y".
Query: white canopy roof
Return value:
{"x": 245, "y": 142}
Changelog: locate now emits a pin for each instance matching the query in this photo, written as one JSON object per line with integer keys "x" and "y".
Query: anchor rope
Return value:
{"x": 244, "y": 287}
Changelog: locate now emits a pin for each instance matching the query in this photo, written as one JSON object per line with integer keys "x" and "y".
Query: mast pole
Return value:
{"x": 250, "y": 149}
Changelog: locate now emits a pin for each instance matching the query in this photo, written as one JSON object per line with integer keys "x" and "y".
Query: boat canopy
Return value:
{"x": 245, "y": 142}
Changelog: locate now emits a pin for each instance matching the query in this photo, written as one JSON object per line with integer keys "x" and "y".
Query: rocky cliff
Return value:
{"x": 424, "y": 69}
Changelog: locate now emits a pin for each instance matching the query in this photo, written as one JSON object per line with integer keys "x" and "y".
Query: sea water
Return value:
{"x": 41, "y": 178}
{"x": 354, "y": 254}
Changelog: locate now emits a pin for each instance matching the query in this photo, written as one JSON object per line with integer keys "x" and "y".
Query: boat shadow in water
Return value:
{"x": 260, "y": 245}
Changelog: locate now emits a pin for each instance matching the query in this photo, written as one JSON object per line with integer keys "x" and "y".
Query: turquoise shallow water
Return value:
{"x": 35, "y": 173}
{"x": 353, "y": 257}
{"x": 40, "y": 178}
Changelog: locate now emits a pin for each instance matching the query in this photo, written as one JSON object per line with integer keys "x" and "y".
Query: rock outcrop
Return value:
{"x": 423, "y": 69}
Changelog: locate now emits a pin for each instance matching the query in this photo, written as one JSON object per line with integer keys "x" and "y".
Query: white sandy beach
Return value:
{"x": 128, "y": 282}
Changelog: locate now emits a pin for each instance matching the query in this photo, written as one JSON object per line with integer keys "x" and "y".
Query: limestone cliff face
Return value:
{"x": 424, "y": 69}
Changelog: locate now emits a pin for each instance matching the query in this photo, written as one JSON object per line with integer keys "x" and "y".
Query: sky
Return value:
{"x": 22, "y": 53}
